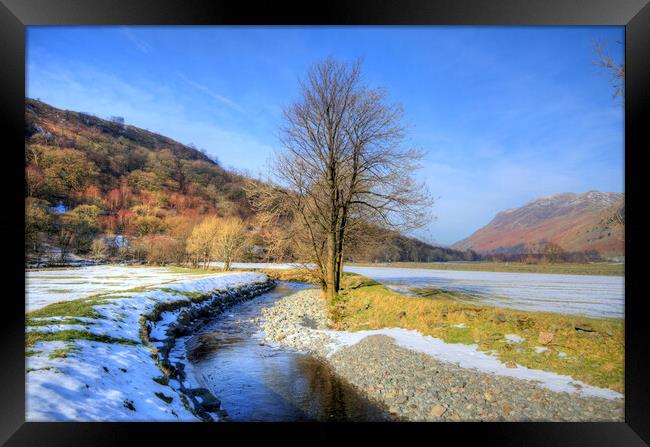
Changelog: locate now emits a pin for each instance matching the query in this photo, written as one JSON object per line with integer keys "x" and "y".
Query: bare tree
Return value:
{"x": 229, "y": 241}
{"x": 344, "y": 165}
{"x": 199, "y": 245}
{"x": 617, "y": 71}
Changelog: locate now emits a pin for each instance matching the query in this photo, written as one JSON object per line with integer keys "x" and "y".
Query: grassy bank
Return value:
{"x": 588, "y": 349}
{"x": 515, "y": 267}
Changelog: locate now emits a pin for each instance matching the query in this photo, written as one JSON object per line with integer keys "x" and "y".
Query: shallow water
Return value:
{"x": 258, "y": 382}
{"x": 595, "y": 296}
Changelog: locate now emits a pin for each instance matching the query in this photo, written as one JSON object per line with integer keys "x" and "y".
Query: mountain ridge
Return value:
{"x": 576, "y": 222}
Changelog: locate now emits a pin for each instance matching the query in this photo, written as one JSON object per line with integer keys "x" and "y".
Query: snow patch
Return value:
{"x": 468, "y": 356}
{"x": 513, "y": 338}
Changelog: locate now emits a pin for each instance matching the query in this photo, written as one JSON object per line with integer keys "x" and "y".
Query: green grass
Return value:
{"x": 192, "y": 270}
{"x": 294, "y": 274}
{"x": 191, "y": 295}
{"x": 32, "y": 322}
{"x": 46, "y": 368}
{"x": 69, "y": 335}
{"x": 81, "y": 307}
{"x": 595, "y": 357}
{"x": 62, "y": 353}
{"x": 163, "y": 380}
{"x": 517, "y": 267}
{"x": 166, "y": 399}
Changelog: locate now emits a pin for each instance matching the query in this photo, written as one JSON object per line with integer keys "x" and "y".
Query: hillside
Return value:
{"x": 115, "y": 154}
{"x": 102, "y": 188}
{"x": 591, "y": 221}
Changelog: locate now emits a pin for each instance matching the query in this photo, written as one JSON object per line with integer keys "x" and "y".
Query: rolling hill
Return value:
{"x": 577, "y": 222}
{"x": 121, "y": 182}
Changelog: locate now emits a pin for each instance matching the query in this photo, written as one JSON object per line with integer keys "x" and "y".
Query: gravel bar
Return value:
{"x": 416, "y": 386}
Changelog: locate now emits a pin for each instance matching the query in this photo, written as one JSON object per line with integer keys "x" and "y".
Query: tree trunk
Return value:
{"x": 339, "y": 256}
{"x": 331, "y": 263}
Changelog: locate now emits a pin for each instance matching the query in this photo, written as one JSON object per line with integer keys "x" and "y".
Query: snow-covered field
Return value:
{"x": 43, "y": 287}
{"x": 468, "y": 356}
{"x": 256, "y": 265}
{"x": 597, "y": 296}
{"x": 112, "y": 380}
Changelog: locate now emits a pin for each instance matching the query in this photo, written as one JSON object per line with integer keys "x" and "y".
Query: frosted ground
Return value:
{"x": 43, "y": 287}
{"x": 595, "y": 296}
{"x": 113, "y": 381}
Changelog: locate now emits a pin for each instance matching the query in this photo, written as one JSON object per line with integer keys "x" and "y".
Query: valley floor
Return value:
{"x": 432, "y": 357}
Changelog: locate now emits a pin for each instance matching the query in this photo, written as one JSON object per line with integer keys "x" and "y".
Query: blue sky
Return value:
{"x": 505, "y": 114}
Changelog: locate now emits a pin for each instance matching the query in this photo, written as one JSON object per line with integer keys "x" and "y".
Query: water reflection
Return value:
{"x": 257, "y": 382}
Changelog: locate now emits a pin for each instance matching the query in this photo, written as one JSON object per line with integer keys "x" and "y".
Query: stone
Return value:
{"x": 438, "y": 410}
{"x": 511, "y": 365}
{"x": 583, "y": 328}
{"x": 488, "y": 396}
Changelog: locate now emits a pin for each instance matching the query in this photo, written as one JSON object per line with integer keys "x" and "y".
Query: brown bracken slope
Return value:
{"x": 575, "y": 221}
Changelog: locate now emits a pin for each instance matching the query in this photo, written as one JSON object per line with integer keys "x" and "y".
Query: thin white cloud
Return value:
{"x": 154, "y": 107}
{"x": 217, "y": 97}
{"x": 140, "y": 44}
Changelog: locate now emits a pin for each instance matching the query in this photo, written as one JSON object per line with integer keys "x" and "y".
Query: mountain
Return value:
{"x": 577, "y": 222}
{"x": 69, "y": 155}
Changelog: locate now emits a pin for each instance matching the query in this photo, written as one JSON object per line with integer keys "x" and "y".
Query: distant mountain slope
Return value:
{"x": 576, "y": 222}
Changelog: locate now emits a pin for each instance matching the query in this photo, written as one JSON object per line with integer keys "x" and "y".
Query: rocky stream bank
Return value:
{"x": 418, "y": 387}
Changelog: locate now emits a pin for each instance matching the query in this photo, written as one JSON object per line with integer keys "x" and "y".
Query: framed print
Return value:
{"x": 364, "y": 221}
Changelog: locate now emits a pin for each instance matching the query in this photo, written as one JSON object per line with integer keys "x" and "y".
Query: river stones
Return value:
{"x": 417, "y": 387}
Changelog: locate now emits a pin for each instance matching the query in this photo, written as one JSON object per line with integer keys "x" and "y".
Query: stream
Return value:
{"x": 258, "y": 382}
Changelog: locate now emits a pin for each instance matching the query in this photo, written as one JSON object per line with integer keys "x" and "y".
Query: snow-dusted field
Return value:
{"x": 44, "y": 287}
{"x": 112, "y": 381}
{"x": 596, "y": 296}
{"x": 256, "y": 265}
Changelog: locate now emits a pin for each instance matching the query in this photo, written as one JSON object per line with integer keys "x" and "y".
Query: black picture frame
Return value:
{"x": 15, "y": 15}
